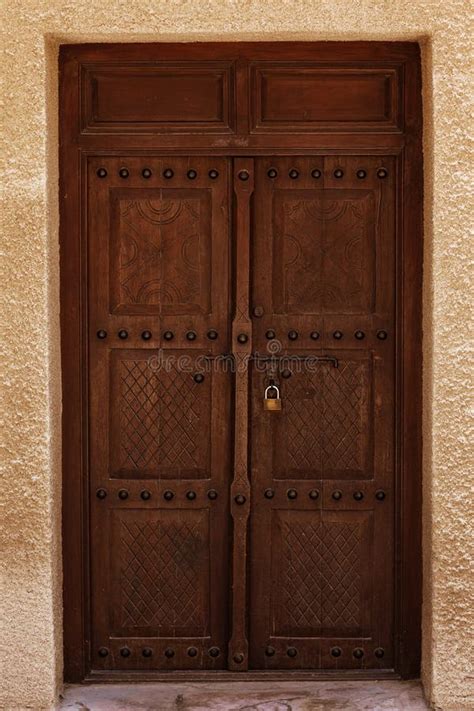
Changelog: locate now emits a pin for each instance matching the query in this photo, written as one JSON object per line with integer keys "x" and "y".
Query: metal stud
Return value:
{"x": 338, "y": 173}
{"x": 103, "y": 652}
{"x": 101, "y": 333}
{"x": 125, "y": 652}
{"x": 123, "y": 172}
{"x": 123, "y": 334}
{"x": 192, "y": 652}
{"x": 361, "y": 174}
{"x": 380, "y": 495}
{"x": 238, "y": 658}
{"x": 146, "y": 335}
{"x": 337, "y": 495}
{"x": 242, "y": 338}
{"x": 292, "y": 335}
{"x": 191, "y": 495}
{"x": 316, "y": 173}
{"x": 314, "y": 494}
{"x": 168, "y": 173}
{"x": 379, "y": 652}
{"x": 169, "y": 653}
{"x": 337, "y": 335}
{"x": 101, "y": 493}
{"x": 382, "y": 173}
{"x": 168, "y": 335}
{"x": 213, "y": 174}
{"x": 240, "y": 499}
{"x": 147, "y": 652}
{"x": 382, "y": 335}
{"x": 292, "y": 493}
{"x": 212, "y": 494}
{"x": 336, "y": 651}
{"x": 168, "y": 495}
{"x": 146, "y": 172}
{"x": 359, "y": 335}
{"x": 145, "y": 495}
{"x": 293, "y": 173}
{"x": 212, "y": 334}
{"x": 269, "y": 651}
{"x": 314, "y": 335}
{"x": 286, "y": 373}
{"x": 198, "y": 378}
{"x": 192, "y": 174}
{"x": 214, "y": 652}
{"x": 243, "y": 175}
{"x": 191, "y": 335}
{"x": 269, "y": 493}
{"x": 258, "y": 311}
{"x": 292, "y": 652}
{"x": 123, "y": 494}
{"x": 102, "y": 173}
{"x": 272, "y": 173}
{"x": 358, "y": 495}
{"x": 358, "y": 653}
{"x": 270, "y": 334}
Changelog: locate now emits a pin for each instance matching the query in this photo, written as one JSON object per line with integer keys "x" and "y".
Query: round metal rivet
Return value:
{"x": 102, "y": 173}
{"x": 382, "y": 173}
{"x": 101, "y": 493}
{"x": 240, "y": 499}
{"x": 238, "y": 658}
{"x": 168, "y": 173}
{"x": 123, "y": 334}
{"x": 336, "y": 651}
{"x": 192, "y": 174}
{"x": 146, "y": 335}
{"x": 269, "y": 493}
{"x": 314, "y": 494}
{"x": 192, "y": 652}
{"x": 270, "y": 334}
{"x": 198, "y": 378}
{"x": 337, "y": 495}
{"x": 286, "y": 373}
{"x": 191, "y": 335}
{"x": 269, "y": 651}
{"x": 358, "y": 653}
{"x": 213, "y": 174}
{"x": 191, "y": 495}
{"x": 123, "y": 172}
{"x": 145, "y": 495}
{"x": 361, "y": 174}
{"x": 258, "y": 311}
{"x": 292, "y": 335}
{"x": 358, "y": 495}
{"x": 314, "y": 335}
{"x": 212, "y": 334}
{"x": 293, "y": 173}
{"x": 382, "y": 335}
{"x": 123, "y": 494}
{"x": 380, "y": 495}
{"x": 338, "y": 173}
{"x": 242, "y": 338}
{"x": 292, "y": 493}
{"x": 214, "y": 652}
{"x": 272, "y": 173}
{"x": 212, "y": 494}
{"x": 168, "y": 495}
{"x": 147, "y": 652}
{"x": 168, "y": 335}
{"x": 379, "y": 652}
{"x": 125, "y": 652}
{"x": 103, "y": 652}
{"x": 337, "y": 335}
{"x": 244, "y": 175}
{"x": 359, "y": 335}
{"x": 169, "y": 653}
{"x": 146, "y": 172}
{"x": 316, "y": 173}
{"x": 101, "y": 333}
{"x": 292, "y": 652}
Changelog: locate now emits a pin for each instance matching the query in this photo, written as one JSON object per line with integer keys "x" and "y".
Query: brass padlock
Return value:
{"x": 273, "y": 404}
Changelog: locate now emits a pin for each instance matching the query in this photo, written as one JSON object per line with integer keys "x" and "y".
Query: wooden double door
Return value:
{"x": 221, "y": 531}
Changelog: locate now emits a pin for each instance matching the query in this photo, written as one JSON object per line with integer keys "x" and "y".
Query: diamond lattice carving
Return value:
{"x": 162, "y": 574}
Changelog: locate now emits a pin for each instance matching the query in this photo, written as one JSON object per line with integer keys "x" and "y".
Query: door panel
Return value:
{"x": 159, "y": 416}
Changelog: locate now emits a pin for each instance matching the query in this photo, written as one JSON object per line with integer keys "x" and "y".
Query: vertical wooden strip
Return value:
{"x": 241, "y": 348}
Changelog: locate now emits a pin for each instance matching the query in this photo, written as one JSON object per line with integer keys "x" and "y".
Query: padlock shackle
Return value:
{"x": 272, "y": 387}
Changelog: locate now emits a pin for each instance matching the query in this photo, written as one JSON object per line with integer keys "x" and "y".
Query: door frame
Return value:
{"x": 73, "y": 152}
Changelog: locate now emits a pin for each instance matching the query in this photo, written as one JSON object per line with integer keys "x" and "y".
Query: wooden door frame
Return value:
{"x": 73, "y": 153}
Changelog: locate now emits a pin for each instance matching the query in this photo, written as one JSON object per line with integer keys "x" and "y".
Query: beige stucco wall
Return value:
{"x": 31, "y": 578}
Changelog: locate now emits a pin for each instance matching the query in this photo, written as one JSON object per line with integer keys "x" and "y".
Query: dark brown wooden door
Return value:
{"x": 235, "y": 217}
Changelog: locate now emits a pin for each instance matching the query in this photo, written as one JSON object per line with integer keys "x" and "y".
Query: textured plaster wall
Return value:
{"x": 31, "y": 576}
